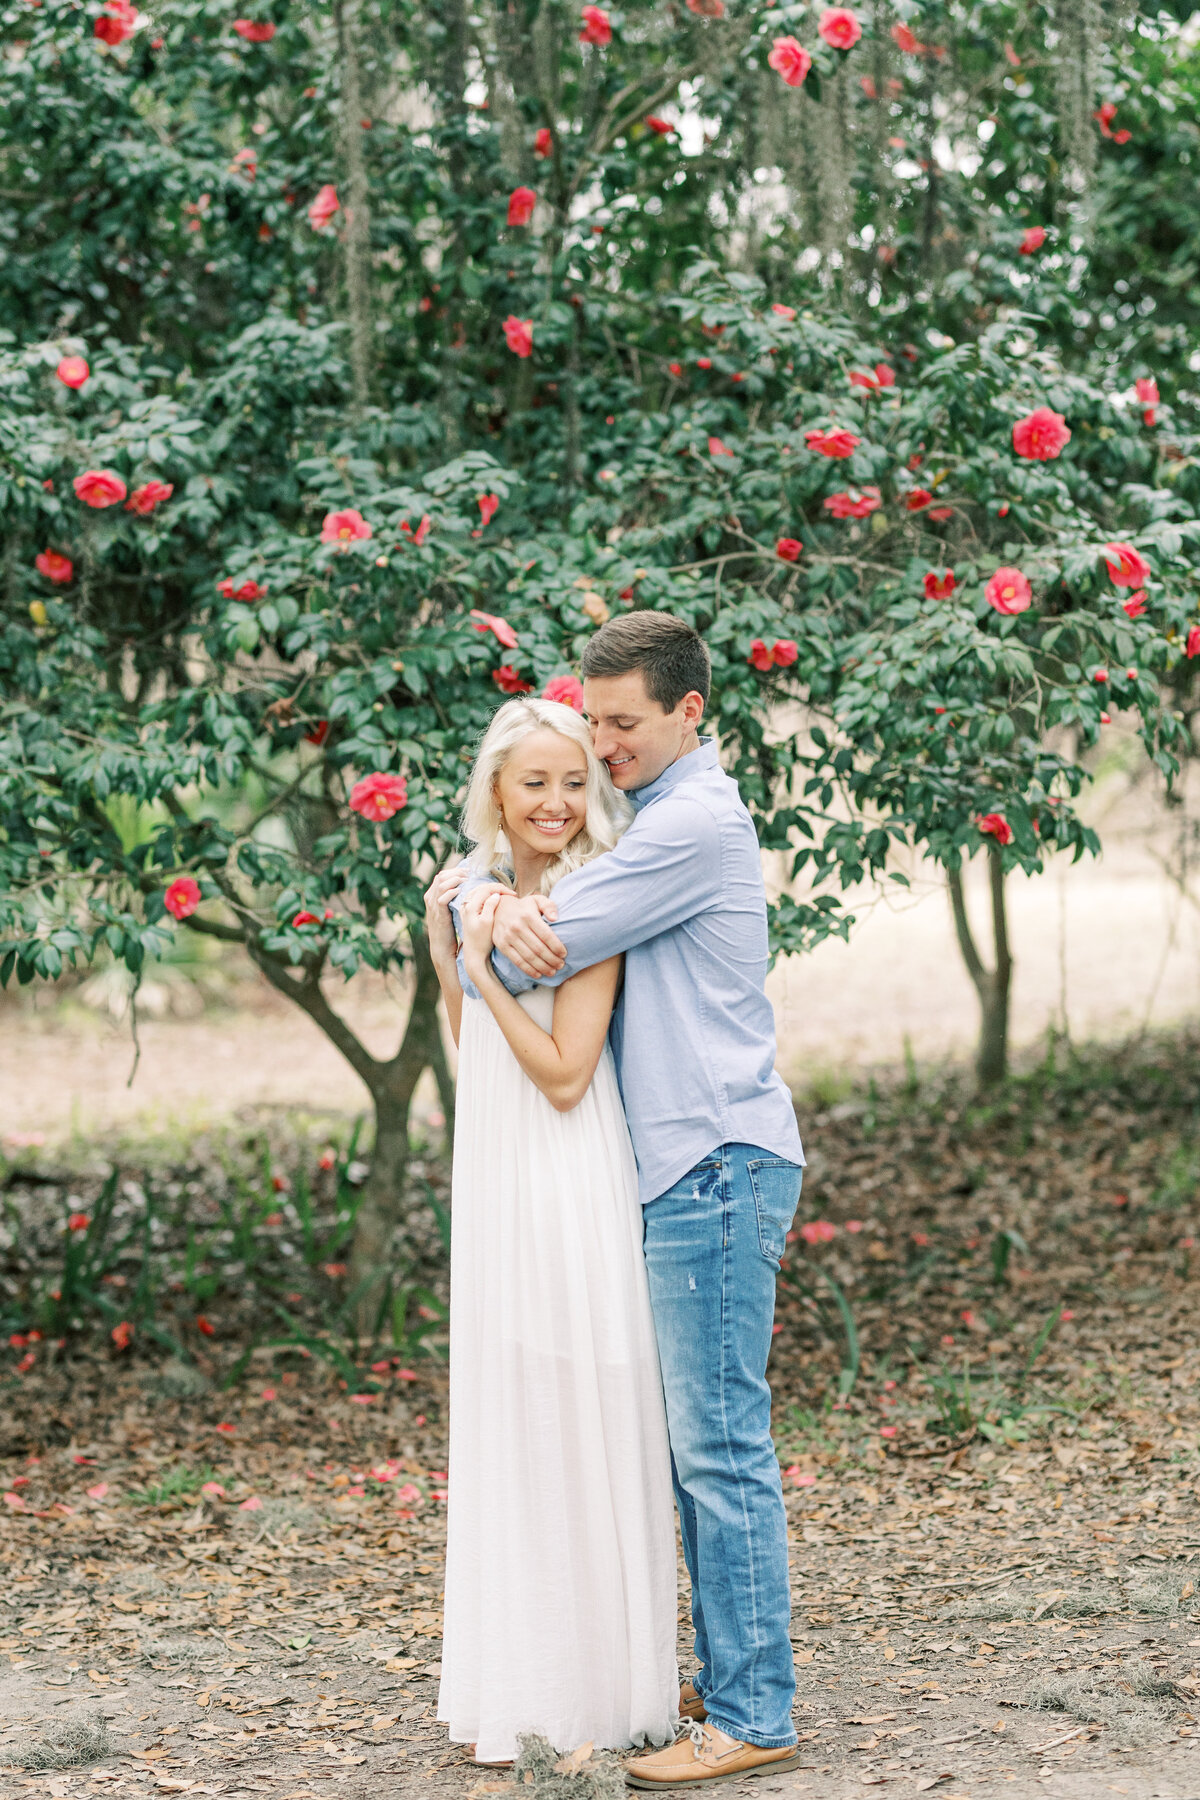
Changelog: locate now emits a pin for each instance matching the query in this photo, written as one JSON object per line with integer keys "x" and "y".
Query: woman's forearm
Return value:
{"x": 534, "y": 1049}
{"x": 447, "y": 974}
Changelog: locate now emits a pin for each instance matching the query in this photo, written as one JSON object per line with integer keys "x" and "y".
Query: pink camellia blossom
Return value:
{"x": 73, "y": 371}
{"x": 660, "y": 127}
{"x": 143, "y": 500}
{"x": 788, "y": 549}
{"x": 707, "y": 9}
{"x": 760, "y": 657}
{"x": 854, "y": 1225}
{"x": 854, "y": 505}
{"x": 117, "y": 22}
{"x": 98, "y": 1492}
{"x": 790, "y": 60}
{"x": 939, "y": 514}
{"x": 250, "y": 1505}
{"x": 1192, "y": 646}
{"x": 566, "y": 689}
{"x": 1033, "y": 239}
{"x": 904, "y": 39}
{"x": 1008, "y": 591}
{"x": 1126, "y": 566}
{"x": 254, "y": 31}
{"x": 182, "y": 897}
{"x": 784, "y": 652}
{"x": 543, "y": 141}
{"x": 939, "y": 587}
{"x": 54, "y": 566}
{"x": 518, "y": 335}
{"x": 917, "y": 498}
{"x": 521, "y": 203}
{"x": 1042, "y": 436}
{"x": 717, "y": 448}
{"x": 888, "y": 1431}
{"x": 863, "y": 378}
{"x": 885, "y": 375}
{"x": 837, "y": 443}
{"x": 596, "y": 27}
{"x": 488, "y": 505}
{"x": 1145, "y": 387}
{"x": 1135, "y": 605}
{"x": 839, "y": 27}
{"x": 344, "y": 527}
{"x": 121, "y": 1334}
{"x": 324, "y": 207}
{"x": 781, "y": 311}
{"x": 99, "y": 488}
{"x": 509, "y": 682}
{"x": 379, "y": 796}
{"x": 501, "y": 629}
{"x": 408, "y": 1495}
{"x": 818, "y": 1231}
{"x": 997, "y": 826}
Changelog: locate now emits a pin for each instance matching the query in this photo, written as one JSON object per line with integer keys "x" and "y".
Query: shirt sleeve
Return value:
{"x": 666, "y": 868}
{"x": 473, "y": 879}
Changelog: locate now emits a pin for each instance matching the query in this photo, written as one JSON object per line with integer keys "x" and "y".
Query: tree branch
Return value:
{"x": 962, "y": 927}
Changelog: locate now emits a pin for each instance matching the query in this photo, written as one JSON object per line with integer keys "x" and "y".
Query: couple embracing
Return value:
{"x": 626, "y": 1169}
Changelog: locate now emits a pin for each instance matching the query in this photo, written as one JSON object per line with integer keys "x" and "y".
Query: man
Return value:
{"x": 719, "y": 1159}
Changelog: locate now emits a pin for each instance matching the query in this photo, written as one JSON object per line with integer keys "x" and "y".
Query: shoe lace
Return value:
{"x": 695, "y": 1730}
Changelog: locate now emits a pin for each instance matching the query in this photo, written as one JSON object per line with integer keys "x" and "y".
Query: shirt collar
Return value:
{"x": 682, "y": 769}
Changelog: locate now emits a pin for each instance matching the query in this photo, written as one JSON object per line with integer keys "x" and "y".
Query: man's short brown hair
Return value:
{"x": 672, "y": 657}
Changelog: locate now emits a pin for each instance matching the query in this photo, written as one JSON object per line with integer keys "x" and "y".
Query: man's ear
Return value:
{"x": 692, "y": 706}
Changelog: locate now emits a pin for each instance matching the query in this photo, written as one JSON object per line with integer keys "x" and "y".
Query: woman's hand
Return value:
{"x": 479, "y": 918}
{"x": 439, "y": 925}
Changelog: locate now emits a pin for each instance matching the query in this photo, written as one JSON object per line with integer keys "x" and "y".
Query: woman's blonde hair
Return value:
{"x": 607, "y": 812}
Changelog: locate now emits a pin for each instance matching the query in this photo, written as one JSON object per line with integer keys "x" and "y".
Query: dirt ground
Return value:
{"x": 995, "y": 1536}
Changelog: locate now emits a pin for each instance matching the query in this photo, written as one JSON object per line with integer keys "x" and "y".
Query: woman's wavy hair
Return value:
{"x": 607, "y": 815}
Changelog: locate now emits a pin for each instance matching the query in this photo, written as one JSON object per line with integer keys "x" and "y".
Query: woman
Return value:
{"x": 560, "y": 1563}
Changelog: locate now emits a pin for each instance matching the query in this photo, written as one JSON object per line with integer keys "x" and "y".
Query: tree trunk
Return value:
{"x": 392, "y": 1092}
{"x": 994, "y": 985}
{"x": 357, "y": 233}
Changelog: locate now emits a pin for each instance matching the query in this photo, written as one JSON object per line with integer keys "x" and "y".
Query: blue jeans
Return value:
{"x": 713, "y": 1244}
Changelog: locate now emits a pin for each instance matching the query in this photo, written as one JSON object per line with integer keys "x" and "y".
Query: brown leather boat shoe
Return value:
{"x": 703, "y": 1755}
{"x": 691, "y": 1704}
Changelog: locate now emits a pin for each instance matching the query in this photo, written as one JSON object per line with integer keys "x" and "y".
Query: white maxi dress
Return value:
{"x": 560, "y": 1560}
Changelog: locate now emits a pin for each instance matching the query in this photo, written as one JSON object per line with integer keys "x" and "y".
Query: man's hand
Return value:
{"x": 521, "y": 933}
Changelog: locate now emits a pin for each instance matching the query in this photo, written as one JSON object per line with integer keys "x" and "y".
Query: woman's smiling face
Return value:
{"x": 542, "y": 792}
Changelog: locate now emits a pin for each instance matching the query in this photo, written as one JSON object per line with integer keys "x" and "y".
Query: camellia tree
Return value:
{"x": 359, "y": 399}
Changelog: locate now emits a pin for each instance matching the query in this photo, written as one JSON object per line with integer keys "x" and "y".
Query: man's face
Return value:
{"x": 631, "y": 732}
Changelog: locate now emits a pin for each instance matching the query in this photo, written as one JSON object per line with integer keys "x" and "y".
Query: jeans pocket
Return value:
{"x": 776, "y": 1187}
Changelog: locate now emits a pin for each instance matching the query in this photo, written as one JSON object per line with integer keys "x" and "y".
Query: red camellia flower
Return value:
{"x": 997, "y": 826}
{"x": 254, "y": 31}
{"x": 143, "y": 500}
{"x": 675, "y": 369}
{"x": 717, "y": 448}
{"x": 509, "y": 682}
{"x": 121, "y": 1334}
{"x": 323, "y": 207}
{"x": 117, "y": 22}
{"x": 1033, "y": 239}
{"x": 1192, "y": 647}
{"x": 939, "y": 587}
{"x": 99, "y": 488}
{"x": 662, "y": 127}
{"x": 839, "y": 27}
{"x": 72, "y": 371}
{"x": 54, "y": 566}
{"x": 182, "y": 897}
{"x": 1100, "y": 675}
{"x": 784, "y": 652}
{"x": 318, "y": 734}
{"x": 1042, "y": 435}
{"x": 939, "y": 514}
{"x": 1146, "y": 389}
{"x": 904, "y": 40}
{"x": 783, "y": 312}
{"x": 502, "y": 630}
{"x": 788, "y": 549}
{"x": 916, "y": 498}
{"x": 1127, "y": 566}
{"x": 707, "y": 9}
{"x": 1135, "y": 606}
{"x": 566, "y": 689}
{"x": 760, "y": 657}
{"x": 790, "y": 60}
{"x": 704, "y": 362}
{"x": 854, "y": 505}
{"x": 378, "y": 796}
{"x": 304, "y": 918}
{"x": 521, "y": 203}
{"x": 596, "y": 26}
{"x": 344, "y": 527}
{"x": 543, "y": 142}
{"x": 248, "y": 593}
{"x": 518, "y": 335}
{"x": 836, "y": 443}
{"x": 488, "y": 505}
{"x": 1008, "y": 591}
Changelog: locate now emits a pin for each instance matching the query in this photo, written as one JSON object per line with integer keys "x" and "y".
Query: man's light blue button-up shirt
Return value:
{"x": 693, "y": 1033}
